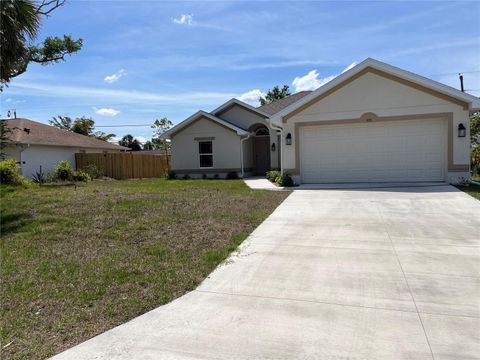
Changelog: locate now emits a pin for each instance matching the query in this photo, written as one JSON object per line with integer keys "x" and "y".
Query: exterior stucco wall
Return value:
{"x": 245, "y": 119}
{"x": 47, "y": 157}
{"x": 226, "y": 147}
{"x": 31, "y": 157}
{"x": 241, "y": 117}
{"x": 12, "y": 152}
{"x": 383, "y": 97}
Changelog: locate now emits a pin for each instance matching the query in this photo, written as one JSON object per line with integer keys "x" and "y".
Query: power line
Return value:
{"x": 127, "y": 125}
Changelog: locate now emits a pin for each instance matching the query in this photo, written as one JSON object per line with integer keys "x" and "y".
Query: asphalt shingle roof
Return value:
{"x": 281, "y": 104}
{"x": 26, "y": 131}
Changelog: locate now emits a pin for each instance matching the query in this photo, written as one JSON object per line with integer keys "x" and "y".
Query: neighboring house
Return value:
{"x": 34, "y": 144}
{"x": 373, "y": 123}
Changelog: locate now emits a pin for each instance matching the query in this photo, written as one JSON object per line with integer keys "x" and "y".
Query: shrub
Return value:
{"x": 186, "y": 177}
{"x": 273, "y": 175}
{"x": 216, "y": 176}
{"x": 170, "y": 175}
{"x": 476, "y": 160}
{"x": 39, "y": 177}
{"x": 285, "y": 180}
{"x": 204, "y": 176}
{"x": 232, "y": 175}
{"x": 64, "y": 170}
{"x": 81, "y": 175}
{"x": 93, "y": 171}
{"x": 10, "y": 173}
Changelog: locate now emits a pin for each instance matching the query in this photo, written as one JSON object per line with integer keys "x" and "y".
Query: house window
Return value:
{"x": 205, "y": 149}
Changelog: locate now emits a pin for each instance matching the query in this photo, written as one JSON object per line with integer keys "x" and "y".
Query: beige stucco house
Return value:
{"x": 34, "y": 145}
{"x": 373, "y": 123}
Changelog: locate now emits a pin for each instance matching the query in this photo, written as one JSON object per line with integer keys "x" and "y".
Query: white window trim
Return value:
{"x": 201, "y": 154}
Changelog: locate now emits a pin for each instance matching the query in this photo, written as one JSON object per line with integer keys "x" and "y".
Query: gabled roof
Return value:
{"x": 232, "y": 102}
{"x": 468, "y": 101}
{"x": 198, "y": 115}
{"x": 279, "y": 105}
{"x": 24, "y": 131}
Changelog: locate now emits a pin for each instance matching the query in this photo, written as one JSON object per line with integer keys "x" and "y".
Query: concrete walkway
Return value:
{"x": 260, "y": 183}
{"x": 389, "y": 273}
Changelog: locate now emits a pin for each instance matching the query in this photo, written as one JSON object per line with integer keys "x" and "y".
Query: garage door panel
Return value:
{"x": 383, "y": 151}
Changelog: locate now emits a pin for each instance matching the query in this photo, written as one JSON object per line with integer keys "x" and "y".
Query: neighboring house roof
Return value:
{"x": 198, "y": 115}
{"x": 279, "y": 105}
{"x": 26, "y": 131}
{"x": 232, "y": 102}
{"x": 371, "y": 65}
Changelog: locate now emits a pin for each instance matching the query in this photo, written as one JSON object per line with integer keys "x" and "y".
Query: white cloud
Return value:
{"x": 106, "y": 111}
{"x": 251, "y": 97}
{"x": 311, "y": 81}
{"x": 111, "y": 96}
{"x": 353, "y": 64}
{"x": 184, "y": 19}
{"x": 114, "y": 77}
{"x": 141, "y": 139}
{"x": 10, "y": 100}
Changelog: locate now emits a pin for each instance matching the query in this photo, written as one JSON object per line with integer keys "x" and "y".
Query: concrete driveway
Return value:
{"x": 390, "y": 273}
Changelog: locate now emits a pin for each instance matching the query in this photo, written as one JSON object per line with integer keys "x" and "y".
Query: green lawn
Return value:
{"x": 75, "y": 263}
{"x": 472, "y": 190}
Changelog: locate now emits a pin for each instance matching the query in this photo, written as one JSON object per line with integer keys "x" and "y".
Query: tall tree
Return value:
{"x": 475, "y": 129}
{"x": 159, "y": 127}
{"x": 20, "y": 22}
{"x": 149, "y": 145}
{"x": 275, "y": 94}
{"x": 82, "y": 125}
{"x": 130, "y": 142}
{"x": 4, "y": 133}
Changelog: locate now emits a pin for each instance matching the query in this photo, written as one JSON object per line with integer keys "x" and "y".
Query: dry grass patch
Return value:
{"x": 75, "y": 263}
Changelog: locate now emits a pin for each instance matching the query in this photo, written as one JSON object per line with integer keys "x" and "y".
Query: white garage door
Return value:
{"x": 374, "y": 152}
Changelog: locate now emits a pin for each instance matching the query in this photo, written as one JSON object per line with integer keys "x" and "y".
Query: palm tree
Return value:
{"x": 20, "y": 23}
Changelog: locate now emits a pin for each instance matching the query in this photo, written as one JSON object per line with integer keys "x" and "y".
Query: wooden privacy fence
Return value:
{"x": 125, "y": 165}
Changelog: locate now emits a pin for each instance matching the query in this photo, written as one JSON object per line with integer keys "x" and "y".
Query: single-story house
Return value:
{"x": 373, "y": 123}
{"x": 34, "y": 144}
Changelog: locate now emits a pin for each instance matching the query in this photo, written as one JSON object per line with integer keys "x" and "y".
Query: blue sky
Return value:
{"x": 144, "y": 60}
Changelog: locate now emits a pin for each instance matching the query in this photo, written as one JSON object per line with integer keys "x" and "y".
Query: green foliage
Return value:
{"x": 93, "y": 171}
{"x": 159, "y": 127}
{"x": 273, "y": 175}
{"x": 170, "y": 175}
{"x": 232, "y": 175}
{"x": 64, "y": 171}
{"x": 20, "y": 25}
{"x": 39, "y": 177}
{"x": 475, "y": 160}
{"x": 10, "y": 173}
{"x": 285, "y": 180}
{"x": 82, "y": 125}
{"x": 149, "y": 145}
{"x": 130, "y": 142}
{"x": 276, "y": 176}
{"x": 475, "y": 128}
{"x": 275, "y": 94}
{"x": 80, "y": 175}
{"x": 4, "y": 133}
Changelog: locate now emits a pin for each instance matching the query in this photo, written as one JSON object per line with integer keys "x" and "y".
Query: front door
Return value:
{"x": 261, "y": 155}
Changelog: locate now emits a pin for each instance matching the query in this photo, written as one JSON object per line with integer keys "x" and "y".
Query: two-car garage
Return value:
{"x": 383, "y": 151}
{"x": 378, "y": 123}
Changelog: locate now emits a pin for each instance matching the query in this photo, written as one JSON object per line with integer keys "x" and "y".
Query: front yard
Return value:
{"x": 75, "y": 263}
{"x": 471, "y": 189}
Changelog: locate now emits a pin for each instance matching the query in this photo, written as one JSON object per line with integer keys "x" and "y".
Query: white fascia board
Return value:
{"x": 240, "y": 103}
